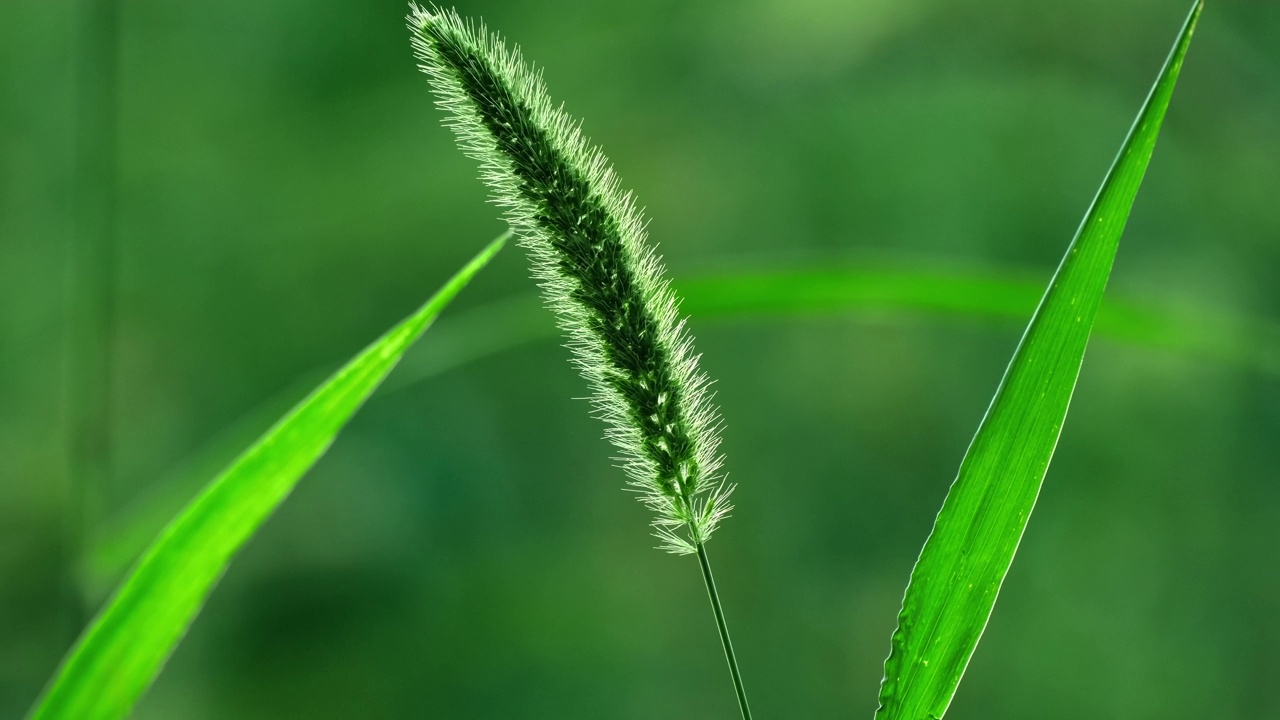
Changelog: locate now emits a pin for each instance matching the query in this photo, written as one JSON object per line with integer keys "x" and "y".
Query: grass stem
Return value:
{"x": 723, "y": 627}
{"x": 92, "y": 287}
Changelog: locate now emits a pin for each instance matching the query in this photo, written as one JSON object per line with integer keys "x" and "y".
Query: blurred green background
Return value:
{"x": 284, "y": 193}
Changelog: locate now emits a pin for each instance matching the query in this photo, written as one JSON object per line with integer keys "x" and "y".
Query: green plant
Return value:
{"x": 587, "y": 242}
{"x": 606, "y": 286}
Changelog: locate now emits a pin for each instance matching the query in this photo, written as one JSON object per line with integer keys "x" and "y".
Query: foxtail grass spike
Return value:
{"x": 604, "y": 282}
{"x": 587, "y": 241}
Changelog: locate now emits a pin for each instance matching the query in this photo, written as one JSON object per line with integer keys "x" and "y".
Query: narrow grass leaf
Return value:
{"x": 955, "y": 582}
{"x": 124, "y": 649}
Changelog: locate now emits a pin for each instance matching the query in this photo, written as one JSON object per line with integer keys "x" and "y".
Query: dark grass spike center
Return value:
{"x": 599, "y": 275}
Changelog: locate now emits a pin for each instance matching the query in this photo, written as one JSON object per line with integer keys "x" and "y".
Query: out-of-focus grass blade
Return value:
{"x": 954, "y": 584}
{"x": 873, "y": 289}
{"x": 501, "y": 325}
{"x": 124, "y": 649}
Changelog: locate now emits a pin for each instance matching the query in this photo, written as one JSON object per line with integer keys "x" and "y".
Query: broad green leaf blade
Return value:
{"x": 124, "y": 649}
{"x": 954, "y": 584}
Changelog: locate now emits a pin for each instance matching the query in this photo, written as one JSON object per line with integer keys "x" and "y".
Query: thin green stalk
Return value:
{"x": 91, "y": 318}
{"x": 723, "y": 627}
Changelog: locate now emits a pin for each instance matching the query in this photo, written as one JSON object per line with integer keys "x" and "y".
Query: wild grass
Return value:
{"x": 586, "y": 239}
{"x": 606, "y": 286}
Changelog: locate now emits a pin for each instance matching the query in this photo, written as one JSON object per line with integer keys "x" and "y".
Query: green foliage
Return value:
{"x": 606, "y": 285}
{"x": 124, "y": 649}
{"x": 955, "y": 582}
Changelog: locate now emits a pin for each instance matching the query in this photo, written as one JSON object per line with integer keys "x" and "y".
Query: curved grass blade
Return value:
{"x": 876, "y": 290}
{"x": 508, "y": 323}
{"x": 124, "y": 649}
{"x": 997, "y": 295}
{"x": 954, "y": 584}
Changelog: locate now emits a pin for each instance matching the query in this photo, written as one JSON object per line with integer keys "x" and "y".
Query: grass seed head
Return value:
{"x": 586, "y": 238}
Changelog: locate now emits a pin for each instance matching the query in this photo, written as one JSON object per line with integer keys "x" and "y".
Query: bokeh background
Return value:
{"x": 276, "y": 190}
